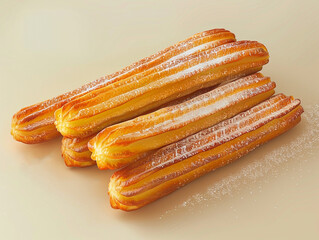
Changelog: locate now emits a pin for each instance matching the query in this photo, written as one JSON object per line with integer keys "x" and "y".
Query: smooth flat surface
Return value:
{"x": 49, "y": 47}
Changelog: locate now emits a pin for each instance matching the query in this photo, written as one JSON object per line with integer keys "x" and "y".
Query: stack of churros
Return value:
{"x": 167, "y": 119}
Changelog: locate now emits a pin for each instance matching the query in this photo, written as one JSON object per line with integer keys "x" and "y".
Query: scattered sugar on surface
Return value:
{"x": 200, "y": 106}
{"x": 259, "y": 168}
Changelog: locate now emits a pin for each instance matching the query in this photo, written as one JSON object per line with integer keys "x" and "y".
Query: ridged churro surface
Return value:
{"x": 76, "y": 153}
{"x": 119, "y": 145}
{"x": 183, "y": 75}
{"x": 177, "y": 164}
{"x": 35, "y": 124}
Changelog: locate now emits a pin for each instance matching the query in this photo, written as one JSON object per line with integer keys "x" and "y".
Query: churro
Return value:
{"x": 35, "y": 124}
{"x": 180, "y": 163}
{"x": 132, "y": 96}
{"x": 120, "y": 144}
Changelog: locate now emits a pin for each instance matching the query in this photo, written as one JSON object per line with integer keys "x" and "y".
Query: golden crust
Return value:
{"x": 132, "y": 96}
{"x": 177, "y": 164}
{"x": 118, "y": 145}
{"x": 76, "y": 153}
{"x": 35, "y": 124}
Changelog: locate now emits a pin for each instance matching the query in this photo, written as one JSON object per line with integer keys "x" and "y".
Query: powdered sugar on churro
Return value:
{"x": 301, "y": 148}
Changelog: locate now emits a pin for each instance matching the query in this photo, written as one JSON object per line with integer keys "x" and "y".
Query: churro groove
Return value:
{"x": 180, "y": 163}
{"x": 115, "y": 144}
{"x": 35, "y": 124}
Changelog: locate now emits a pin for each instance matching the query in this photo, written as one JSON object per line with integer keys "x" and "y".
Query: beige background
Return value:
{"x": 49, "y": 47}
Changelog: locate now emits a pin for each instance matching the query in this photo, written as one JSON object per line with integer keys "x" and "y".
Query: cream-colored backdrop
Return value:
{"x": 49, "y": 47}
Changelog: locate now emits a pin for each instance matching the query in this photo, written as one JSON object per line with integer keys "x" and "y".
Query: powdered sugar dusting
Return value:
{"x": 259, "y": 168}
{"x": 32, "y": 113}
{"x": 202, "y": 62}
{"x": 197, "y": 108}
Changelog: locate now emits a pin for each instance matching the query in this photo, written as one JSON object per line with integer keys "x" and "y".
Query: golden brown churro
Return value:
{"x": 132, "y": 96}
{"x": 177, "y": 164}
{"x": 120, "y": 144}
{"x": 76, "y": 153}
{"x": 35, "y": 124}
